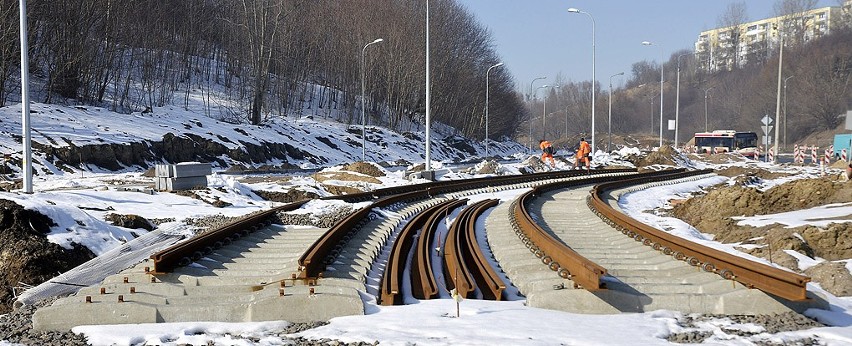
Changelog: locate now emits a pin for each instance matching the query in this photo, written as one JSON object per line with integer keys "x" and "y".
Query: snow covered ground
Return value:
{"x": 79, "y": 205}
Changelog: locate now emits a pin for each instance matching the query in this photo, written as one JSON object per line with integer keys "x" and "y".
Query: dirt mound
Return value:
{"x": 130, "y": 221}
{"x": 290, "y": 196}
{"x": 25, "y": 254}
{"x": 344, "y": 176}
{"x": 364, "y": 168}
{"x": 487, "y": 167}
{"x": 664, "y": 156}
{"x": 713, "y": 213}
{"x": 727, "y": 201}
{"x": 833, "y": 277}
{"x": 755, "y": 172}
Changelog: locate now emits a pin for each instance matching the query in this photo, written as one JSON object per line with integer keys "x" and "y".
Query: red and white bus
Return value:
{"x": 727, "y": 141}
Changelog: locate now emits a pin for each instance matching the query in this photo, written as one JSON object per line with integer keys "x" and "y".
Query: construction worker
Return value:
{"x": 546, "y": 152}
{"x": 583, "y": 151}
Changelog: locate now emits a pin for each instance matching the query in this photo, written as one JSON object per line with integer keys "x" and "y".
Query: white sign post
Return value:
{"x": 767, "y": 129}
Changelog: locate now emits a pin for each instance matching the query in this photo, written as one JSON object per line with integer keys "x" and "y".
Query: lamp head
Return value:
{"x": 647, "y": 43}
{"x": 497, "y": 64}
{"x": 619, "y": 74}
{"x": 574, "y": 10}
{"x": 378, "y": 40}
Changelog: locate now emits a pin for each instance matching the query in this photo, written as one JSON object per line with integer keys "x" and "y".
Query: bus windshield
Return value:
{"x": 746, "y": 140}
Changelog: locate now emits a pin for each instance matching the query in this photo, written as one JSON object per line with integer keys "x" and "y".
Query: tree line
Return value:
{"x": 255, "y": 59}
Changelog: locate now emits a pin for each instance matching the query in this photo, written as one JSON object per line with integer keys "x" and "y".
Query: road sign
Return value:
{"x": 671, "y": 124}
{"x": 766, "y": 120}
{"x": 767, "y": 129}
{"x": 849, "y": 120}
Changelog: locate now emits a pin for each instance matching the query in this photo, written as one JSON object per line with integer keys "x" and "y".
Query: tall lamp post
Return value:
{"x": 486, "y": 104}
{"x": 785, "y": 112}
{"x": 662, "y": 65}
{"x": 25, "y": 101}
{"x": 363, "y": 87}
{"x": 574, "y": 10}
{"x": 778, "y": 96}
{"x": 609, "y": 118}
{"x": 529, "y": 141}
{"x": 428, "y": 167}
{"x": 677, "y": 100}
{"x": 542, "y": 113}
{"x": 705, "y": 106}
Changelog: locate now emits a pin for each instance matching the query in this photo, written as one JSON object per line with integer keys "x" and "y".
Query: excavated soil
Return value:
{"x": 713, "y": 213}
{"x": 364, "y": 168}
{"x": 26, "y": 257}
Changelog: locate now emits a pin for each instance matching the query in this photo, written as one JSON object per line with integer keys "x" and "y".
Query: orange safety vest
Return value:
{"x": 584, "y": 149}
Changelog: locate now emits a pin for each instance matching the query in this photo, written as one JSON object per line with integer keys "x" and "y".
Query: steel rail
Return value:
{"x": 781, "y": 283}
{"x": 423, "y": 282}
{"x": 192, "y": 249}
{"x": 184, "y": 253}
{"x": 393, "y": 276}
{"x": 463, "y": 258}
{"x": 487, "y": 280}
{"x": 558, "y": 256}
{"x": 322, "y": 251}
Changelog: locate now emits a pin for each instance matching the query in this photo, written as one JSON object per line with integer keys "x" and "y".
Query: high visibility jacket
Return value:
{"x": 544, "y": 144}
{"x": 584, "y": 149}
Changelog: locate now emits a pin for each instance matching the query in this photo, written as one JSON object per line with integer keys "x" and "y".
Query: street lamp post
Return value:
{"x": 363, "y": 87}
{"x": 529, "y": 141}
{"x": 651, "y": 100}
{"x": 677, "y": 100}
{"x": 785, "y": 112}
{"x": 574, "y": 10}
{"x": 486, "y": 105}
{"x": 25, "y": 102}
{"x": 428, "y": 167}
{"x": 542, "y": 112}
{"x": 778, "y": 96}
{"x": 705, "y": 106}
{"x": 662, "y": 65}
{"x": 609, "y": 118}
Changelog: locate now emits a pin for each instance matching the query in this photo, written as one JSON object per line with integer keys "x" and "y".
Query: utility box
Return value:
{"x": 181, "y": 176}
{"x": 842, "y": 141}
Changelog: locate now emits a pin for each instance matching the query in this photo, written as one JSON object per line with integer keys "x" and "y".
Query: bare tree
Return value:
{"x": 727, "y": 53}
{"x": 794, "y": 19}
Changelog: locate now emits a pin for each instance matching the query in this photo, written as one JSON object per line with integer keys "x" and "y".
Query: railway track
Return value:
{"x": 255, "y": 269}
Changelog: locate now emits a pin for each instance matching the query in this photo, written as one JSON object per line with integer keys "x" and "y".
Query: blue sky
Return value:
{"x": 541, "y": 38}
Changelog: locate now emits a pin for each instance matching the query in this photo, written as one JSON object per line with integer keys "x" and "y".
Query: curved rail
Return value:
{"x": 391, "y": 284}
{"x": 423, "y": 282}
{"x": 553, "y": 252}
{"x": 183, "y": 253}
{"x": 784, "y": 284}
{"x": 322, "y": 252}
{"x": 466, "y": 268}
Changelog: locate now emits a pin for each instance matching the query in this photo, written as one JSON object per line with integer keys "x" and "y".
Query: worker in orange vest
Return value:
{"x": 582, "y": 154}
{"x": 547, "y": 152}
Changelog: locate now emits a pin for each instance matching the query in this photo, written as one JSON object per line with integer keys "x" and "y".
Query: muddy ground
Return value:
{"x": 713, "y": 212}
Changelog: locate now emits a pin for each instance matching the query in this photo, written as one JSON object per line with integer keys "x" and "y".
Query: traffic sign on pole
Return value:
{"x": 766, "y": 120}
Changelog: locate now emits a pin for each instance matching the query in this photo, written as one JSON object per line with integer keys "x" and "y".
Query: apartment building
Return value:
{"x": 754, "y": 42}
